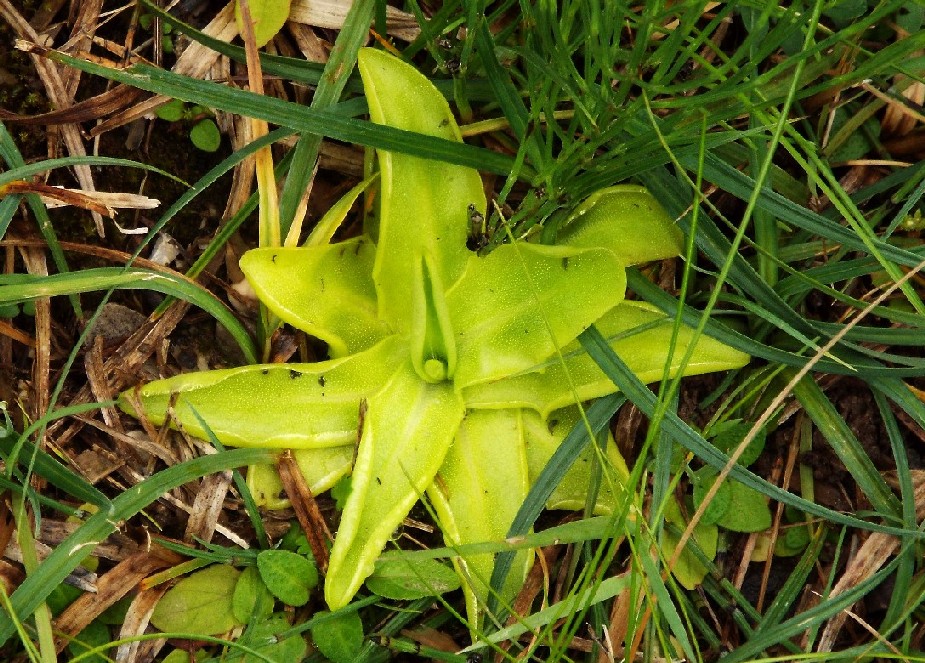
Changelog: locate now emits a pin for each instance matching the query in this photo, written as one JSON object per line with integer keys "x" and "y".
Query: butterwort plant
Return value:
{"x": 454, "y": 370}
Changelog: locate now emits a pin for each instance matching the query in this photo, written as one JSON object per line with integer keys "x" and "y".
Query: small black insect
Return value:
{"x": 478, "y": 233}
{"x": 321, "y": 380}
{"x": 293, "y": 374}
{"x": 453, "y": 66}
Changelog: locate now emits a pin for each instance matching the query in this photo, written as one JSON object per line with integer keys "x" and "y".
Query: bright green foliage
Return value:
{"x": 476, "y": 499}
{"x": 645, "y": 230}
{"x": 267, "y": 17}
{"x": 688, "y": 570}
{"x": 205, "y": 135}
{"x": 290, "y": 577}
{"x": 200, "y": 603}
{"x": 340, "y": 637}
{"x": 397, "y": 459}
{"x": 458, "y": 357}
{"x": 263, "y": 637}
{"x": 542, "y": 439}
{"x": 251, "y": 599}
{"x": 735, "y": 507}
{"x": 402, "y": 580}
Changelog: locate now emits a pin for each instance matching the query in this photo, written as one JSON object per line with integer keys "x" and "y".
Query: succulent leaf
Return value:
{"x": 423, "y": 204}
{"x": 326, "y": 291}
{"x": 407, "y": 431}
{"x": 477, "y": 493}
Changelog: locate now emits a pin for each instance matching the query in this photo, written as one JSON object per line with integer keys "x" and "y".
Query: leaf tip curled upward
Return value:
{"x": 433, "y": 345}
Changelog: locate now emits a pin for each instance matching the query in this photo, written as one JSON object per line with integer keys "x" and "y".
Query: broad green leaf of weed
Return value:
{"x": 183, "y": 656}
{"x": 251, "y": 599}
{"x": 792, "y": 541}
{"x": 339, "y": 638}
{"x": 400, "y": 579}
{"x": 200, "y": 603}
{"x": 94, "y": 635}
{"x": 61, "y": 597}
{"x": 171, "y": 111}
{"x": 263, "y": 637}
{"x": 727, "y": 436}
{"x": 688, "y": 570}
{"x": 268, "y": 17}
{"x": 735, "y": 507}
{"x": 703, "y": 480}
{"x": 748, "y": 510}
{"x": 296, "y": 541}
{"x": 290, "y": 577}
{"x": 206, "y": 136}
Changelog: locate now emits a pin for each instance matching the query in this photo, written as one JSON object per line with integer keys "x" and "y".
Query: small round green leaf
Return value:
{"x": 263, "y": 638}
{"x": 748, "y": 509}
{"x": 716, "y": 509}
{"x": 206, "y": 136}
{"x": 96, "y": 634}
{"x": 290, "y": 577}
{"x": 171, "y": 111}
{"x": 252, "y": 600}
{"x": 728, "y": 435}
{"x": 399, "y": 579}
{"x": 792, "y": 540}
{"x": 268, "y": 17}
{"x": 200, "y": 603}
{"x": 339, "y": 638}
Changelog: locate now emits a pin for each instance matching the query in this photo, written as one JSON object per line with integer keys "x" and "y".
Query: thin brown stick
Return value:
{"x": 306, "y": 508}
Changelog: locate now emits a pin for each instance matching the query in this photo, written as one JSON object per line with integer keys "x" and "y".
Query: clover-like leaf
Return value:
{"x": 251, "y": 599}
{"x": 200, "y": 603}
{"x": 288, "y": 575}
{"x": 339, "y": 637}
{"x": 740, "y": 508}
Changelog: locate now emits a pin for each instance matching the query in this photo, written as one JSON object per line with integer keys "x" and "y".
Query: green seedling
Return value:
{"x": 215, "y": 600}
{"x": 147, "y": 23}
{"x": 735, "y": 507}
{"x": 453, "y": 367}
{"x": 203, "y": 133}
